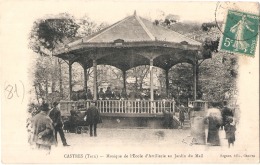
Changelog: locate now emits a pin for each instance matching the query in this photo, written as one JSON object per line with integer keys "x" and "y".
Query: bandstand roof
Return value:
{"x": 132, "y": 42}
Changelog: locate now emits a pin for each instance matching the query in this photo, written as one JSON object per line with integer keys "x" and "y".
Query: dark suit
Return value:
{"x": 93, "y": 118}
{"x": 55, "y": 115}
{"x": 226, "y": 113}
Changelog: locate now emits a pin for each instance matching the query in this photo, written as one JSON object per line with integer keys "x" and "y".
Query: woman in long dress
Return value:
{"x": 214, "y": 123}
{"x": 239, "y": 29}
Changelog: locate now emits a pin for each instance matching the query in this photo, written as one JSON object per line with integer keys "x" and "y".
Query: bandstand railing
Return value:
{"x": 120, "y": 106}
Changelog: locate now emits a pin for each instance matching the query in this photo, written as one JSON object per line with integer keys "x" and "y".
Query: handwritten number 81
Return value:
{"x": 11, "y": 90}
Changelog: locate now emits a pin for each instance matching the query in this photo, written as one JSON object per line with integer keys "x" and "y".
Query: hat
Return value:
{"x": 73, "y": 112}
{"x": 230, "y": 119}
{"x": 94, "y": 101}
{"x": 55, "y": 103}
{"x": 45, "y": 107}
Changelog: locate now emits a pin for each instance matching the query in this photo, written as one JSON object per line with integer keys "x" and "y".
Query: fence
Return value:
{"x": 120, "y": 106}
{"x": 199, "y": 103}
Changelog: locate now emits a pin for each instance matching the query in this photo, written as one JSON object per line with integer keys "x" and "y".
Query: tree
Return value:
{"x": 42, "y": 76}
{"x": 222, "y": 70}
{"x": 216, "y": 75}
{"x": 46, "y": 35}
{"x": 49, "y": 33}
{"x": 86, "y": 26}
{"x": 182, "y": 82}
{"x": 138, "y": 73}
{"x": 208, "y": 26}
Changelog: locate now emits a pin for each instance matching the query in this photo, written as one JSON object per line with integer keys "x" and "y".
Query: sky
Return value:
{"x": 113, "y": 11}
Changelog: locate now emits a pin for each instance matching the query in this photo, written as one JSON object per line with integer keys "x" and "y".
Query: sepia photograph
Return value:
{"x": 129, "y": 81}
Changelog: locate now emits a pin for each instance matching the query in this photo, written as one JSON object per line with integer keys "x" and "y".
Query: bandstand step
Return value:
{"x": 187, "y": 124}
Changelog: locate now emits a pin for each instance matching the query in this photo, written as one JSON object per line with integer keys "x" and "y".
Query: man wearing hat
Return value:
{"x": 55, "y": 116}
{"x": 93, "y": 118}
{"x": 42, "y": 129}
{"x": 226, "y": 113}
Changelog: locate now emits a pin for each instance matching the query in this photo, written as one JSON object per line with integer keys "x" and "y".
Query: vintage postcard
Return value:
{"x": 129, "y": 82}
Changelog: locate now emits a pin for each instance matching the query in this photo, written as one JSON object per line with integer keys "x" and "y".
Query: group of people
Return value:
{"x": 111, "y": 95}
{"x": 44, "y": 127}
{"x": 47, "y": 123}
{"x": 115, "y": 94}
{"x": 218, "y": 120}
{"x": 78, "y": 120}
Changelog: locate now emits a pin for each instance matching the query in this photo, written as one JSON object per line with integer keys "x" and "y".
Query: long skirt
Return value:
{"x": 213, "y": 137}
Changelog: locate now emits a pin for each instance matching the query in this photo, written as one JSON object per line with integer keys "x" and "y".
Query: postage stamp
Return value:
{"x": 240, "y": 33}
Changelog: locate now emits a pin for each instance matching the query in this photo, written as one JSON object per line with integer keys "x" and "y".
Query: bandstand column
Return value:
{"x": 151, "y": 80}
{"x": 70, "y": 80}
{"x": 95, "y": 79}
{"x": 124, "y": 80}
{"x": 167, "y": 81}
{"x": 195, "y": 80}
{"x": 85, "y": 79}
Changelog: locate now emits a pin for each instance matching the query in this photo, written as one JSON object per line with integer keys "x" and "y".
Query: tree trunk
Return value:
{"x": 141, "y": 82}
{"x": 46, "y": 90}
{"x": 37, "y": 94}
{"x": 141, "y": 86}
{"x": 41, "y": 91}
{"x": 197, "y": 80}
{"x": 53, "y": 73}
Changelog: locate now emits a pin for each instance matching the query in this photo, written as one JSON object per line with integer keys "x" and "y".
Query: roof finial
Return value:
{"x": 135, "y": 12}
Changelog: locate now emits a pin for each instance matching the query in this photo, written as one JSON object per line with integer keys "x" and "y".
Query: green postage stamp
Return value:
{"x": 240, "y": 33}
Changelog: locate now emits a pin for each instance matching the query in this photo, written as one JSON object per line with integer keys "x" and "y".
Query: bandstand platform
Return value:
{"x": 125, "y": 113}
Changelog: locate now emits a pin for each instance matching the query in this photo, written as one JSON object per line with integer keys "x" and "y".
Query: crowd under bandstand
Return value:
{"x": 131, "y": 42}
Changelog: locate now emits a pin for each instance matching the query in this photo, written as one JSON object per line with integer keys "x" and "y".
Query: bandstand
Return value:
{"x": 131, "y": 42}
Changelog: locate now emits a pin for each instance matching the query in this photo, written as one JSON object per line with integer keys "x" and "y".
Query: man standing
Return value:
{"x": 57, "y": 123}
{"x": 89, "y": 95}
{"x": 226, "y": 113}
{"x": 101, "y": 94}
{"x": 181, "y": 116}
{"x": 109, "y": 93}
{"x": 42, "y": 130}
{"x": 93, "y": 118}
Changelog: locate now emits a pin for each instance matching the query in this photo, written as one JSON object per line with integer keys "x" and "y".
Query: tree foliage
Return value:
{"x": 216, "y": 76}
{"x": 138, "y": 73}
{"x": 48, "y": 33}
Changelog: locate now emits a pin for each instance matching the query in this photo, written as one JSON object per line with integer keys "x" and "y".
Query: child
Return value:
{"x": 230, "y": 130}
{"x": 181, "y": 117}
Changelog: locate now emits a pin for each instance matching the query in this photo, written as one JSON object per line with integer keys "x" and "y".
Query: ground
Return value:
{"x": 141, "y": 146}
{"x": 136, "y": 137}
